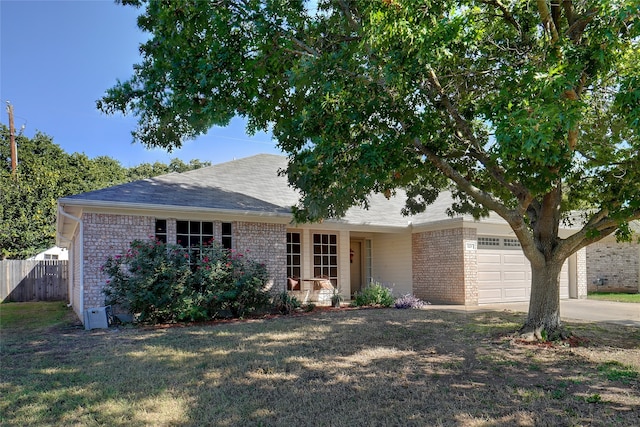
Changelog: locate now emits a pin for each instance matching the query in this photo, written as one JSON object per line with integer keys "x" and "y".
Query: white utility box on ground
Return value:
{"x": 97, "y": 317}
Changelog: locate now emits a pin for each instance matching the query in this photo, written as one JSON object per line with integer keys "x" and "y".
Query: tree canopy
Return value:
{"x": 530, "y": 109}
{"x": 45, "y": 173}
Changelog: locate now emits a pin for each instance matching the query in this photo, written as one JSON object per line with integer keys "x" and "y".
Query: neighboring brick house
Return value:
{"x": 613, "y": 266}
{"x": 246, "y": 205}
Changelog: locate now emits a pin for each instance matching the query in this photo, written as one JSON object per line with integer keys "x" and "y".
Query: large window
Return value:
{"x": 193, "y": 235}
{"x": 325, "y": 257}
{"x": 294, "y": 252}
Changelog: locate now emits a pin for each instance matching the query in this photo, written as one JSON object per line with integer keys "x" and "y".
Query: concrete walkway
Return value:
{"x": 583, "y": 310}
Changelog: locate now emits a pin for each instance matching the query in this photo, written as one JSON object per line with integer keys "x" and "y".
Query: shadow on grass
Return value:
{"x": 357, "y": 367}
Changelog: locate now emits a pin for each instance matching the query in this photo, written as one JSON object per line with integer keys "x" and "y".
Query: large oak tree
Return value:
{"x": 530, "y": 109}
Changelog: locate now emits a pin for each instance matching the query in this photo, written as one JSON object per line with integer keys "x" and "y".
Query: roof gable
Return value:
{"x": 250, "y": 184}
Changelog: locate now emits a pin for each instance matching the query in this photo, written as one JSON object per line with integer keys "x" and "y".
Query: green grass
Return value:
{"x": 616, "y": 371}
{"x": 338, "y": 368}
{"x": 31, "y": 316}
{"x": 614, "y": 296}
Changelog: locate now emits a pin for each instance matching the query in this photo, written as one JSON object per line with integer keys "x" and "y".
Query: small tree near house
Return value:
{"x": 528, "y": 109}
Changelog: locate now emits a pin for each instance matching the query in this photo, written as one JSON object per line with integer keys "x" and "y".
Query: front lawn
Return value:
{"x": 614, "y": 296}
{"x": 342, "y": 367}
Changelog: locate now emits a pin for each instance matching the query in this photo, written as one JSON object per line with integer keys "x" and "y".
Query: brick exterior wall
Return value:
{"x": 469, "y": 247}
{"x": 105, "y": 235}
{"x": 617, "y": 263}
{"x": 444, "y": 269}
{"x": 265, "y": 243}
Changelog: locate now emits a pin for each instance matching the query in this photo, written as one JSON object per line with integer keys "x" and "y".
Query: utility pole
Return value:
{"x": 12, "y": 139}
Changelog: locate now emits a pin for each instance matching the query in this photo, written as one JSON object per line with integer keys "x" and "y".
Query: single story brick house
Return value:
{"x": 245, "y": 204}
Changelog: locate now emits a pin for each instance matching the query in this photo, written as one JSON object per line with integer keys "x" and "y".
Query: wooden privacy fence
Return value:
{"x": 25, "y": 280}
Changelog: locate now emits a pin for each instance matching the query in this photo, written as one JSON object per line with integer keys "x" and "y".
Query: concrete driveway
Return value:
{"x": 584, "y": 310}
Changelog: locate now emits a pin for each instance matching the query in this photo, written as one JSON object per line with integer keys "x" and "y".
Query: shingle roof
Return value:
{"x": 253, "y": 185}
{"x": 250, "y": 184}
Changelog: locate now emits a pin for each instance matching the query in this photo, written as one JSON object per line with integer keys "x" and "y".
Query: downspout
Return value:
{"x": 80, "y": 257}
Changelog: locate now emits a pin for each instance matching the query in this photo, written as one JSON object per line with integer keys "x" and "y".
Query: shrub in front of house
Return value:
{"x": 164, "y": 283}
{"x": 375, "y": 294}
{"x": 150, "y": 280}
{"x": 229, "y": 281}
{"x": 284, "y": 303}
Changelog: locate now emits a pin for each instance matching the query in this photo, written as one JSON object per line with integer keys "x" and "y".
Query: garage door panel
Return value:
{"x": 515, "y": 267}
{"x": 518, "y": 276}
{"x": 504, "y": 275}
{"x": 489, "y": 258}
{"x": 511, "y": 258}
{"x": 516, "y": 294}
{"x": 490, "y": 295}
{"x": 489, "y": 276}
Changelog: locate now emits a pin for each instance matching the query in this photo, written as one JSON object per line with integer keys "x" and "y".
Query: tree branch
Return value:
{"x": 347, "y": 12}
{"x": 506, "y": 14}
{"x": 513, "y": 218}
{"x": 548, "y": 218}
{"x": 599, "y": 222}
{"x": 521, "y": 193}
{"x": 567, "y": 5}
{"x": 450, "y": 172}
{"x": 576, "y": 29}
{"x": 545, "y": 16}
{"x": 305, "y": 47}
{"x": 556, "y": 14}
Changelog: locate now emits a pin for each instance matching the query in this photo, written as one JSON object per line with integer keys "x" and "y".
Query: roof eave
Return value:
{"x": 169, "y": 208}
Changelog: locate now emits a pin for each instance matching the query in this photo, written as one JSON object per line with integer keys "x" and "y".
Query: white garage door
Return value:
{"x": 504, "y": 273}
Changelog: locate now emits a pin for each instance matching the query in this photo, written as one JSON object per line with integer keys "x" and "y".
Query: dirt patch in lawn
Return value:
{"x": 330, "y": 367}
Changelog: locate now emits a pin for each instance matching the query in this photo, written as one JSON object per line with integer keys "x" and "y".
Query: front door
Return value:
{"x": 355, "y": 257}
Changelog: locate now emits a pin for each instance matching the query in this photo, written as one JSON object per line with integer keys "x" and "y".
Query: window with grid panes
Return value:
{"x": 511, "y": 243}
{"x": 488, "y": 242}
{"x": 325, "y": 257}
{"x": 193, "y": 235}
{"x": 294, "y": 252}
{"x": 161, "y": 230}
{"x": 227, "y": 235}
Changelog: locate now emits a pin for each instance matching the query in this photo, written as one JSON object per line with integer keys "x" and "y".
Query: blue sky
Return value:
{"x": 58, "y": 57}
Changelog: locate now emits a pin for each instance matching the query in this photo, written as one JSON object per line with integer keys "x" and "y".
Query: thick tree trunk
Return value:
{"x": 543, "y": 320}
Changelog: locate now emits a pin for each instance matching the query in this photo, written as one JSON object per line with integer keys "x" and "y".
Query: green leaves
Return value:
{"x": 46, "y": 173}
{"x": 160, "y": 282}
{"x": 514, "y": 105}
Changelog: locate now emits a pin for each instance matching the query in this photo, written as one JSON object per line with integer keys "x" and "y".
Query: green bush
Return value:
{"x": 375, "y": 294}
{"x": 150, "y": 280}
{"x": 284, "y": 303}
{"x": 159, "y": 283}
{"x": 229, "y": 281}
